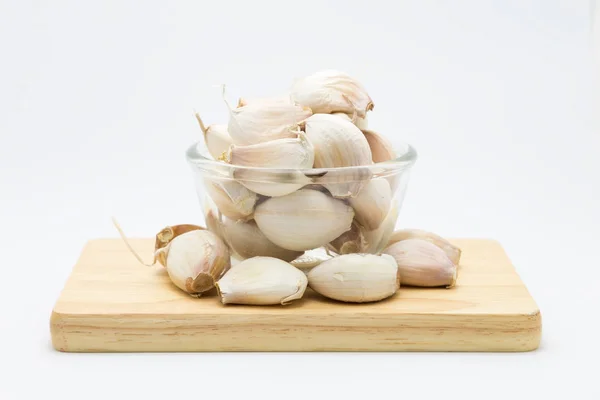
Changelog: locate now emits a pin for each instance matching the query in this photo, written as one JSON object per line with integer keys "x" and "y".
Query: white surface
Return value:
{"x": 96, "y": 104}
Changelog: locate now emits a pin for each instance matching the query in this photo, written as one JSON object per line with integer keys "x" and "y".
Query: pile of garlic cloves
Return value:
{"x": 274, "y": 228}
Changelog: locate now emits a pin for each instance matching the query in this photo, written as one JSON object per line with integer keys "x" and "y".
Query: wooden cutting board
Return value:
{"x": 111, "y": 303}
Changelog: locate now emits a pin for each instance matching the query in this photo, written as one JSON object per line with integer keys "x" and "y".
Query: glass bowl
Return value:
{"x": 284, "y": 213}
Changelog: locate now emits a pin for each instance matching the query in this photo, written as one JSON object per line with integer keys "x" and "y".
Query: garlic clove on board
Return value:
{"x": 451, "y": 250}
{"x": 247, "y": 241}
{"x": 289, "y": 153}
{"x": 303, "y": 220}
{"x": 331, "y": 91}
{"x": 262, "y": 281}
{"x": 381, "y": 148}
{"x": 422, "y": 263}
{"x": 193, "y": 257}
{"x": 196, "y": 260}
{"x": 265, "y": 121}
{"x": 356, "y": 278}
{"x": 216, "y": 138}
{"x": 232, "y": 199}
{"x": 372, "y": 204}
{"x": 310, "y": 259}
{"x": 167, "y": 234}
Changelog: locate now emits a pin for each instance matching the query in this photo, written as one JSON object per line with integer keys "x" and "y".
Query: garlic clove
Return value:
{"x": 341, "y": 182}
{"x": 289, "y": 153}
{"x": 232, "y": 199}
{"x": 167, "y": 234}
{"x": 262, "y": 281}
{"x": 451, "y": 251}
{"x": 338, "y": 143}
{"x": 280, "y": 153}
{"x": 216, "y": 138}
{"x": 310, "y": 259}
{"x": 422, "y": 263}
{"x": 271, "y": 183}
{"x": 265, "y": 121}
{"x": 351, "y": 241}
{"x": 248, "y": 241}
{"x": 196, "y": 260}
{"x": 372, "y": 204}
{"x": 376, "y": 240}
{"x": 303, "y": 220}
{"x": 381, "y": 148}
{"x": 331, "y": 91}
{"x": 356, "y": 278}
{"x": 360, "y": 122}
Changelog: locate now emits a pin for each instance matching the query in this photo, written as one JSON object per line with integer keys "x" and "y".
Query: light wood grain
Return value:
{"x": 111, "y": 303}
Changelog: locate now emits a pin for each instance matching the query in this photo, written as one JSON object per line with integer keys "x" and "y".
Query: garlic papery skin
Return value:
{"x": 265, "y": 121}
{"x": 331, "y": 91}
{"x": 422, "y": 263}
{"x": 356, "y": 278}
{"x": 262, "y": 281}
{"x": 372, "y": 204}
{"x": 289, "y": 153}
{"x": 247, "y": 241}
{"x": 232, "y": 199}
{"x": 451, "y": 251}
{"x": 303, "y": 220}
{"x": 216, "y": 138}
{"x": 381, "y": 148}
{"x": 196, "y": 260}
{"x": 338, "y": 143}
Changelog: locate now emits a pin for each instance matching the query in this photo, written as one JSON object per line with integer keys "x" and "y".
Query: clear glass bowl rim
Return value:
{"x": 407, "y": 156}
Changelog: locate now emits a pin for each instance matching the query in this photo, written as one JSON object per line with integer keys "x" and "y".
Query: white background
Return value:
{"x": 498, "y": 97}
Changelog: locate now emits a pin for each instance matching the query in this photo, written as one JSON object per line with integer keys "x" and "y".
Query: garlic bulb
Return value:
{"x": 381, "y": 148}
{"x": 372, "y": 204}
{"x": 303, "y": 220}
{"x": 422, "y": 263}
{"x": 248, "y": 241}
{"x": 331, "y": 91}
{"x": 296, "y": 153}
{"x": 216, "y": 138}
{"x": 262, "y": 281}
{"x": 338, "y": 143}
{"x": 451, "y": 251}
{"x": 233, "y": 199}
{"x": 356, "y": 278}
{"x": 264, "y": 121}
